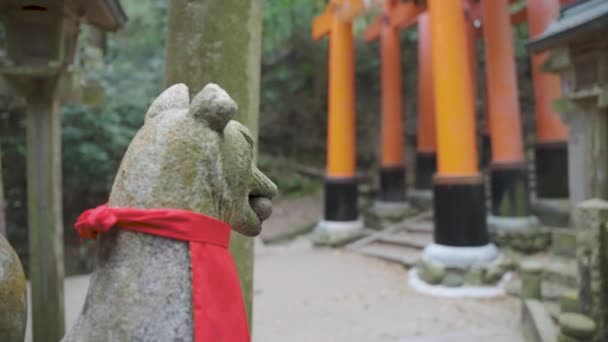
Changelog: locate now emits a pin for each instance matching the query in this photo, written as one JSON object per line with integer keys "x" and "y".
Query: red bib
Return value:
{"x": 217, "y": 302}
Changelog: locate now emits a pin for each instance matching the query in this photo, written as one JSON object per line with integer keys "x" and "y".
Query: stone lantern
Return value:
{"x": 40, "y": 38}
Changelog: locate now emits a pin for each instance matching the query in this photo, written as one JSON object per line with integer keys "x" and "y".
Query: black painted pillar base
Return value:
{"x": 552, "y": 170}
{"x": 485, "y": 150}
{"x": 426, "y": 166}
{"x": 460, "y": 212}
{"x": 341, "y": 199}
{"x": 392, "y": 184}
{"x": 510, "y": 195}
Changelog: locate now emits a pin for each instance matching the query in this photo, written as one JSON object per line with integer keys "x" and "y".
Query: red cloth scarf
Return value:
{"x": 217, "y": 302}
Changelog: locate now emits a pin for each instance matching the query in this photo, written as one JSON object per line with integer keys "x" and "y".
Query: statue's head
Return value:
{"x": 193, "y": 156}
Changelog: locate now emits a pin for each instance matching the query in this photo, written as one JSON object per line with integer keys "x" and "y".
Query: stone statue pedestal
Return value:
{"x": 460, "y": 271}
{"x": 523, "y": 234}
{"x": 383, "y": 214}
{"x": 337, "y": 233}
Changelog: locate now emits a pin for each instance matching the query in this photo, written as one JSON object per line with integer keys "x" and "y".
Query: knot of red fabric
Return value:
{"x": 217, "y": 302}
{"x": 94, "y": 221}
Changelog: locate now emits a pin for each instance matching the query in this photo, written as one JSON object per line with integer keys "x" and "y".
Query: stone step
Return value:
{"x": 406, "y": 256}
{"x": 408, "y": 239}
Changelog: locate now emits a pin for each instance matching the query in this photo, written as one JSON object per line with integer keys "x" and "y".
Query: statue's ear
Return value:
{"x": 213, "y": 106}
{"x": 175, "y": 97}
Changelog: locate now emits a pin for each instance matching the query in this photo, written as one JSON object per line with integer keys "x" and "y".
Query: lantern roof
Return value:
{"x": 576, "y": 22}
{"x": 107, "y": 15}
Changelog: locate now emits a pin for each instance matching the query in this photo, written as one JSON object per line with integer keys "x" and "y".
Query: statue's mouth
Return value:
{"x": 261, "y": 206}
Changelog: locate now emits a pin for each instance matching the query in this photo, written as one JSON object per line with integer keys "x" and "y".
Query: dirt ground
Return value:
{"x": 323, "y": 295}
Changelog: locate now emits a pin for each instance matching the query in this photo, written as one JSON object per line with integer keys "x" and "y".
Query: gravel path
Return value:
{"x": 323, "y": 295}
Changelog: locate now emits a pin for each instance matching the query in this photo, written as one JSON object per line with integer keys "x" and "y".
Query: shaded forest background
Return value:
{"x": 293, "y": 108}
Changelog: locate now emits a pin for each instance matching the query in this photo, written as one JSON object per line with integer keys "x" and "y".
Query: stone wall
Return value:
{"x": 591, "y": 219}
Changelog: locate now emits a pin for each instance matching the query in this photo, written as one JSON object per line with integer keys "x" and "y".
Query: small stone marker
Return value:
{"x": 531, "y": 280}
{"x": 569, "y": 302}
{"x": 577, "y": 326}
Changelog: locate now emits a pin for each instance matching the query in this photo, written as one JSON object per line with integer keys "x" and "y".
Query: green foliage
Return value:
{"x": 94, "y": 138}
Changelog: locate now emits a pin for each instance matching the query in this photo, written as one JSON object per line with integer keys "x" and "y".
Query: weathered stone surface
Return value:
{"x": 531, "y": 276}
{"x": 453, "y": 279}
{"x": 431, "y": 272}
{"x": 552, "y": 212}
{"x": 189, "y": 156}
{"x": 334, "y": 234}
{"x": 564, "y": 242}
{"x": 536, "y": 322}
{"x": 526, "y": 241}
{"x": 474, "y": 276}
{"x": 13, "y": 295}
{"x": 493, "y": 273}
{"x": 591, "y": 217}
{"x": 569, "y": 302}
{"x": 383, "y": 214}
{"x": 577, "y": 326}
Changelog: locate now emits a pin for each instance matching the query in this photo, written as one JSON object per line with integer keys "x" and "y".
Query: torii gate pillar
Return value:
{"x": 460, "y": 234}
{"x": 391, "y": 205}
{"x": 426, "y": 147}
{"x": 551, "y": 151}
{"x": 508, "y": 169}
{"x": 341, "y": 220}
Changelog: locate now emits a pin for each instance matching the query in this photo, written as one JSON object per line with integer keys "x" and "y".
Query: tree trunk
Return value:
{"x": 220, "y": 41}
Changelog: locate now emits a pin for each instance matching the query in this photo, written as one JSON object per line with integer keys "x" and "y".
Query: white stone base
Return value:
{"x": 457, "y": 292}
{"x": 509, "y": 225}
{"x": 337, "y": 232}
{"x": 460, "y": 257}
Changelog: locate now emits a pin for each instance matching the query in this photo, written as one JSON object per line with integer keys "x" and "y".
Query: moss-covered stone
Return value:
{"x": 381, "y": 215}
{"x": 431, "y": 272}
{"x": 531, "y": 280}
{"x": 492, "y": 275}
{"x": 564, "y": 242}
{"x": 453, "y": 279}
{"x": 474, "y": 276}
{"x": 13, "y": 295}
{"x": 569, "y": 302}
{"x": 577, "y": 326}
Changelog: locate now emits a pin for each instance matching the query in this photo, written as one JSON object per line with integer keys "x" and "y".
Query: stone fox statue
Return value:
{"x": 191, "y": 156}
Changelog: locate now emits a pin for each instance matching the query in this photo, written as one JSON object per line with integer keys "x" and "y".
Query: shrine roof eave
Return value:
{"x": 107, "y": 15}
{"x": 576, "y": 21}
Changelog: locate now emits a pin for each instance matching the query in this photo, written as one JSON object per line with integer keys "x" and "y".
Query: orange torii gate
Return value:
{"x": 391, "y": 205}
{"x": 510, "y": 195}
{"x": 341, "y": 220}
